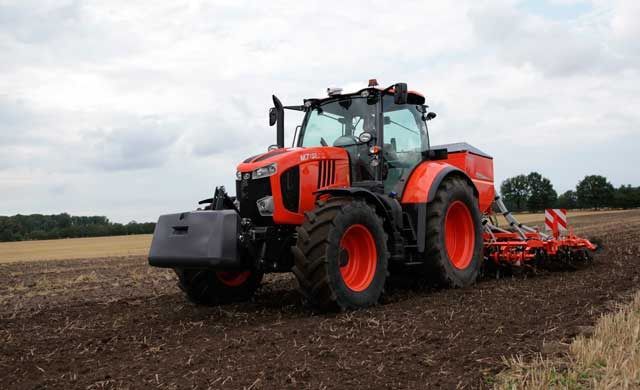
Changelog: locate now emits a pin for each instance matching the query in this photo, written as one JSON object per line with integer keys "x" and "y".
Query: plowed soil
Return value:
{"x": 117, "y": 323}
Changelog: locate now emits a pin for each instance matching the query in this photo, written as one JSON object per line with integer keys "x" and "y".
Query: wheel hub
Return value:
{"x": 460, "y": 234}
{"x": 233, "y": 278}
{"x": 358, "y": 257}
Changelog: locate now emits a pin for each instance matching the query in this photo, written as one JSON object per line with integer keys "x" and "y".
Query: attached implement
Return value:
{"x": 522, "y": 245}
{"x": 360, "y": 194}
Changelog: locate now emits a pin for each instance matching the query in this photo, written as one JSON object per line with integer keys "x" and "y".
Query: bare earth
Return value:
{"x": 117, "y": 323}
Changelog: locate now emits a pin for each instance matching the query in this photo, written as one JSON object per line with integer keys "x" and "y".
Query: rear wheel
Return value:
{"x": 454, "y": 235}
{"x": 208, "y": 287}
{"x": 341, "y": 255}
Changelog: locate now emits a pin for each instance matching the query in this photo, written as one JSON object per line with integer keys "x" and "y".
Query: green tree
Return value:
{"x": 515, "y": 192}
{"x": 541, "y": 192}
{"x": 594, "y": 191}
{"x": 626, "y": 197}
{"x": 568, "y": 200}
{"x": 38, "y": 226}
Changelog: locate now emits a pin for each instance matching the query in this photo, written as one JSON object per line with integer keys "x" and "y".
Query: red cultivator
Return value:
{"x": 522, "y": 245}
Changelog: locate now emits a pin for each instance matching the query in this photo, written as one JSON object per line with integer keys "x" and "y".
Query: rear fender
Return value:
{"x": 426, "y": 178}
{"x": 421, "y": 189}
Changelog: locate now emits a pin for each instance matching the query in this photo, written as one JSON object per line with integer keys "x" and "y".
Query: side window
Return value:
{"x": 402, "y": 132}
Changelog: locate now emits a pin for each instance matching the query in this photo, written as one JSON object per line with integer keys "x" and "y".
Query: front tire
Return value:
{"x": 341, "y": 255}
{"x": 208, "y": 287}
{"x": 454, "y": 235}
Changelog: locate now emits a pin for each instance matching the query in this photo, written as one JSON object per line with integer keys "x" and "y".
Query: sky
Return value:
{"x": 135, "y": 109}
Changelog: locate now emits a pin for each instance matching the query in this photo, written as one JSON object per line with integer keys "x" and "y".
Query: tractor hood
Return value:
{"x": 285, "y": 158}
{"x": 286, "y": 180}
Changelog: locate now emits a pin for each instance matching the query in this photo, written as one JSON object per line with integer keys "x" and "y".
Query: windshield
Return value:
{"x": 339, "y": 123}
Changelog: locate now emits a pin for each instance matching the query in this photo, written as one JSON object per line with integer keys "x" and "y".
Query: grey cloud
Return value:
{"x": 557, "y": 49}
{"x": 220, "y": 137}
{"x": 35, "y": 22}
{"x": 62, "y": 34}
{"x": 145, "y": 144}
{"x": 16, "y": 121}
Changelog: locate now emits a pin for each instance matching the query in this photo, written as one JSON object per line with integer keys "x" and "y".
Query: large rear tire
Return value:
{"x": 454, "y": 235}
{"x": 208, "y": 287}
{"x": 341, "y": 255}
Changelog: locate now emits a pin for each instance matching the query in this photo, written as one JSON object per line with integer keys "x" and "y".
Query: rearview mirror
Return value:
{"x": 273, "y": 116}
{"x": 430, "y": 116}
{"x": 400, "y": 93}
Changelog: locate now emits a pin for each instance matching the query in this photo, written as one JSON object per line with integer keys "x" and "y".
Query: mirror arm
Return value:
{"x": 295, "y": 108}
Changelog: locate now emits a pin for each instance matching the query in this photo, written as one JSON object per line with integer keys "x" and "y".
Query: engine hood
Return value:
{"x": 288, "y": 157}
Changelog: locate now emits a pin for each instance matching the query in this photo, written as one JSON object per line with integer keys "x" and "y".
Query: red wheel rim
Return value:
{"x": 460, "y": 234}
{"x": 361, "y": 257}
{"x": 233, "y": 278}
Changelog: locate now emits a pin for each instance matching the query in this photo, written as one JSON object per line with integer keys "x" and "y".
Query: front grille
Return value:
{"x": 290, "y": 188}
{"x": 326, "y": 173}
{"x": 248, "y": 192}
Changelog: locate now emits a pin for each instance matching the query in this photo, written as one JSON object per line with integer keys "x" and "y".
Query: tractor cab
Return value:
{"x": 384, "y": 131}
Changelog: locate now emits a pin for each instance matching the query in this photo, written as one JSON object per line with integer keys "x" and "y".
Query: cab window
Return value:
{"x": 404, "y": 140}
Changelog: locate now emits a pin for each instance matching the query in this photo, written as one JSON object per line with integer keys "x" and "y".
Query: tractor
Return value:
{"x": 360, "y": 195}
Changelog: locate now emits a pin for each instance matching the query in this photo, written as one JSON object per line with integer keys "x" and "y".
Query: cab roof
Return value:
{"x": 413, "y": 97}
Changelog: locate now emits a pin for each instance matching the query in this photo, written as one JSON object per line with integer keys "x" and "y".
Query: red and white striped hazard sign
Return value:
{"x": 555, "y": 220}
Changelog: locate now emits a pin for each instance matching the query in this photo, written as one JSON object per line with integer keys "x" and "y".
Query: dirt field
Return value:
{"x": 117, "y": 323}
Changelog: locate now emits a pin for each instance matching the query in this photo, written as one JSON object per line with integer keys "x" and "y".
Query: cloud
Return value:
{"x": 97, "y": 97}
{"x": 146, "y": 143}
{"x": 556, "y": 48}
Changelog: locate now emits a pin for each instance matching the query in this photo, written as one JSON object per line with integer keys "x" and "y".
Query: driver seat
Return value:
{"x": 358, "y": 156}
{"x": 391, "y": 175}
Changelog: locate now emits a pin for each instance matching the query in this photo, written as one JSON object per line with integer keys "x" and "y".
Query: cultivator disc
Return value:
{"x": 523, "y": 246}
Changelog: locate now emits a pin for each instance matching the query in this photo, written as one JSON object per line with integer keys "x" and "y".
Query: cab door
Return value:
{"x": 404, "y": 141}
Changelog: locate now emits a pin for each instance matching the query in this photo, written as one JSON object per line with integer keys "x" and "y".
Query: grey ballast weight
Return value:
{"x": 196, "y": 239}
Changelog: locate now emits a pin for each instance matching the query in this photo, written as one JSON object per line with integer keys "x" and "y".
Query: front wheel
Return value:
{"x": 208, "y": 287}
{"x": 341, "y": 255}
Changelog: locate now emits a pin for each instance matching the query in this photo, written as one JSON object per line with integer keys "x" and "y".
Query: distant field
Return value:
{"x": 84, "y": 248}
{"x": 539, "y": 217}
{"x": 75, "y": 248}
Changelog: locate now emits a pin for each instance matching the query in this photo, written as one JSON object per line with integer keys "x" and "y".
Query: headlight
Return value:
{"x": 238, "y": 175}
{"x": 265, "y": 171}
{"x": 265, "y": 206}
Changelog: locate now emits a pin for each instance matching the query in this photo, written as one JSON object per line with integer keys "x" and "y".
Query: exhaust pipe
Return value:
{"x": 278, "y": 110}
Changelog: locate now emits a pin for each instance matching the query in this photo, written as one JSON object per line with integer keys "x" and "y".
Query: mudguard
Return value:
{"x": 196, "y": 239}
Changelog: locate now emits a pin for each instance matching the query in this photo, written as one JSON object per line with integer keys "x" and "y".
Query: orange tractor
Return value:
{"x": 360, "y": 195}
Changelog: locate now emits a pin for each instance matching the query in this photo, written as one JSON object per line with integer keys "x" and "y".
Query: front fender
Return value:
{"x": 388, "y": 208}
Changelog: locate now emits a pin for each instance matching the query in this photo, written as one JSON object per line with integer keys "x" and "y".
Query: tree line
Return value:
{"x": 533, "y": 192}
{"x": 43, "y": 227}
